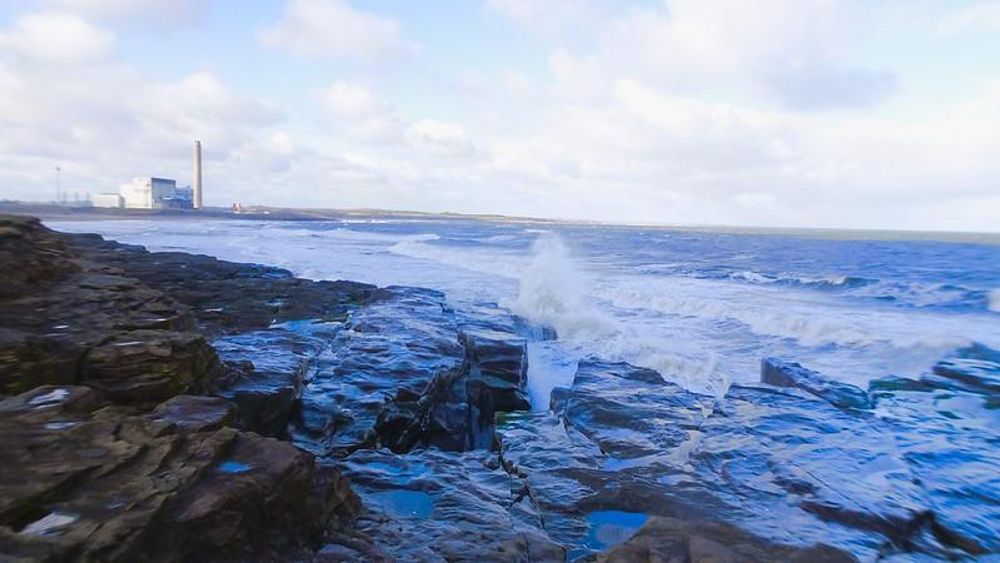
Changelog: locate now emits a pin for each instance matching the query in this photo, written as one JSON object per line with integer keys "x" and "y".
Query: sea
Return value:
{"x": 702, "y": 306}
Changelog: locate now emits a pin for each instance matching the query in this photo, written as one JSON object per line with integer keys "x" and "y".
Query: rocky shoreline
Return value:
{"x": 168, "y": 406}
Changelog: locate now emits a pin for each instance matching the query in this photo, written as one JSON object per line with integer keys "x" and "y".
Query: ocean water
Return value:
{"x": 702, "y": 307}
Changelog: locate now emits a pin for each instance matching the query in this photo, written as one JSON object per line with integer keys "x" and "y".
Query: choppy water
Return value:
{"x": 702, "y": 307}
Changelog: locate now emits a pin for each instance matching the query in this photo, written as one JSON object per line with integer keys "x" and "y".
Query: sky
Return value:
{"x": 797, "y": 113}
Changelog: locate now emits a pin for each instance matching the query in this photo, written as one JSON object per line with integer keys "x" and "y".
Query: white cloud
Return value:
{"x": 352, "y": 100}
{"x": 788, "y": 50}
{"x": 56, "y": 38}
{"x": 147, "y": 11}
{"x": 281, "y": 143}
{"x": 785, "y": 52}
{"x": 980, "y": 16}
{"x": 355, "y": 110}
{"x": 331, "y": 29}
{"x": 202, "y": 106}
{"x": 440, "y": 137}
{"x": 552, "y": 17}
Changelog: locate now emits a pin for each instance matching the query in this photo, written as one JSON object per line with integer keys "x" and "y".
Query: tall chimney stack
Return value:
{"x": 196, "y": 180}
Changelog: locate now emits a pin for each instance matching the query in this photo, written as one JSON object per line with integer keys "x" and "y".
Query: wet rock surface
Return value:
{"x": 906, "y": 477}
{"x": 75, "y": 320}
{"x": 406, "y": 372}
{"x": 228, "y": 297}
{"x": 105, "y": 455}
{"x": 87, "y": 481}
{"x": 432, "y": 505}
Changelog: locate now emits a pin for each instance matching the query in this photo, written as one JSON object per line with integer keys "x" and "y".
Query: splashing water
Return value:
{"x": 551, "y": 292}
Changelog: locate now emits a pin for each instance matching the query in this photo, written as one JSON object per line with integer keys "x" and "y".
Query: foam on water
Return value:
{"x": 995, "y": 300}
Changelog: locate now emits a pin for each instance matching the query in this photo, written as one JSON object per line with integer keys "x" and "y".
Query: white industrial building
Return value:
{"x": 107, "y": 200}
{"x": 156, "y": 193}
{"x": 149, "y": 193}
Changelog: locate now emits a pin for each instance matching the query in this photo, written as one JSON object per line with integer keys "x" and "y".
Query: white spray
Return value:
{"x": 552, "y": 293}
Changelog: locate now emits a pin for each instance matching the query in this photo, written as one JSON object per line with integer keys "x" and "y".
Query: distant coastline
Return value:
{"x": 51, "y": 212}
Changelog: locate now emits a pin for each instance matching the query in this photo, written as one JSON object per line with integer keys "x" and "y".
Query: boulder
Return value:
{"x": 146, "y": 366}
{"x": 267, "y": 370}
{"x": 380, "y": 379}
{"x": 31, "y": 256}
{"x": 193, "y": 413}
{"x": 92, "y": 483}
{"x": 74, "y": 320}
{"x": 406, "y": 372}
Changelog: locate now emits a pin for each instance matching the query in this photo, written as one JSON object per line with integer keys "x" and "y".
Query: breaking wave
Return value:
{"x": 831, "y": 282}
{"x": 551, "y": 292}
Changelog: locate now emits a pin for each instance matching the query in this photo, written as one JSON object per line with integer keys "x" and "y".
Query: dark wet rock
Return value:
{"x": 629, "y": 412}
{"x": 77, "y": 321}
{"x": 975, "y": 369}
{"x": 31, "y": 257}
{"x": 495, "y": 381}
{"x": 90, "y": 483}
{"x": 624, "y": 445}
{"x": 781, "y": 373}
{"x": 671, "y": 539}
{"x": 267, "y": 370}
{"x": 405, "y": 373}
{"x": 379, "y": 381}
{"x": 193, "y": 413}
{"x": 946, "y": 426}
{"x": 431, "y": 505}
{"x": 230, "y": 297}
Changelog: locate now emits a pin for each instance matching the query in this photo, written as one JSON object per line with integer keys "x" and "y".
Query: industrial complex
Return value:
{"x": 156, "y": 193}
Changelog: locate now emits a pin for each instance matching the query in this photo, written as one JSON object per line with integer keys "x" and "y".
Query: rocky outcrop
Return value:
{"x": 72, "y": 320}
{"x": 433, "y": 505}
{"x": 93, "y": 482}
{"x": 405, "y": 372}
{"x": 105, "y": 455}
{"x": 624, "y": 446}
{"x": 229, "y": 297}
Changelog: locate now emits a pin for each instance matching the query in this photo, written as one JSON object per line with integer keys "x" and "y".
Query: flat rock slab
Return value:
{"x": 229, "y": 297}
{"x": 800, "y": 465}
{"x": 431, "y": 505}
